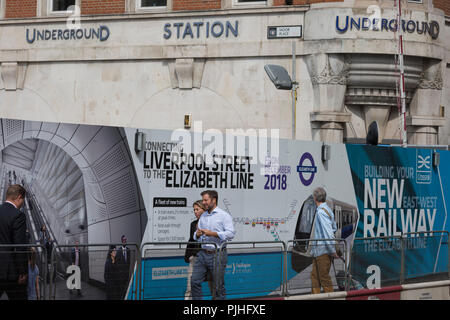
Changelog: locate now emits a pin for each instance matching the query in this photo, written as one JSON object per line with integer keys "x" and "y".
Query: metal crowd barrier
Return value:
{"x": 101, "y": 272}
{"x": 10, "y": 257}
{"x": 368, "y": 253}
{"x": 425, "y": 247}
{"x": 300, "y": 254}
{"x": 254, "y": 268}
{"x": 260, "y": 268}
{"x": 165, "y": 275}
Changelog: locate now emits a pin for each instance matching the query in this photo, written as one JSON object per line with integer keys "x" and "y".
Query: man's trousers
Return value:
{"x": 320, "y": 274}
{"x": 204, "y": 264}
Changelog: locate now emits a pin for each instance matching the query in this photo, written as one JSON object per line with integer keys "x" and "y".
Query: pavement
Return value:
{"x": 88, "y": 292}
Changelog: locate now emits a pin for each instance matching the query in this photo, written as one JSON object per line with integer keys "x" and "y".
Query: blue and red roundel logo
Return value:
{"x": 306, "y": 169}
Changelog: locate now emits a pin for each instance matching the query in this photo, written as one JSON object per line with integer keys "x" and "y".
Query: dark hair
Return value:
{"x": 14, "y": 191}
{"x": 211, "y": 193}
{"x": 32, "y": 257}
{"x": 110, "y": 250}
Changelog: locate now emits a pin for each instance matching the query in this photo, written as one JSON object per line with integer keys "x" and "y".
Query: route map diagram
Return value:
{"x": 269, "y": 224}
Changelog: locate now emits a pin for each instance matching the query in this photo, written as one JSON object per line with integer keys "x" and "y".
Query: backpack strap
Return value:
{"x": 326, "y": 211}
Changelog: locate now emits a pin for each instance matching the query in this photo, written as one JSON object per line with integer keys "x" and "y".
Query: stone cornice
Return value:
{"x": 283, "y": 48}
{"x": 330, "y": 116}
{"x": 425, "y": 121}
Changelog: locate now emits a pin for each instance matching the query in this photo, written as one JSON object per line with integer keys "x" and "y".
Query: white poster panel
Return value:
{"x": 263, "y": 183}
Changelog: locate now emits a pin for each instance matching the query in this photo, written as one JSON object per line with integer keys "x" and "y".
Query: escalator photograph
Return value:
{"x": 83, "y": 207}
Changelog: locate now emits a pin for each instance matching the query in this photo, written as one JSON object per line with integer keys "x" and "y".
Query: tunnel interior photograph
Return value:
{"x": 81, "y": 186}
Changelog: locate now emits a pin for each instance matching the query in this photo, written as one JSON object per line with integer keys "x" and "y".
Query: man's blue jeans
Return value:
{"x": 204, "y": 264}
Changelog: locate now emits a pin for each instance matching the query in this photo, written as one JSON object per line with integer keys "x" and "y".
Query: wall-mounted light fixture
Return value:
{"x": 436, "y": 158}
{"x": 139, "y": 141}
{"x": 325, "y": 152}
{"x": 282, "y": 81}
{"x": 187, "y": 121}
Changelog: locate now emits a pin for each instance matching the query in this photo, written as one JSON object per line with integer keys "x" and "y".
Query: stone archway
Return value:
{"x": 101, "y": 153}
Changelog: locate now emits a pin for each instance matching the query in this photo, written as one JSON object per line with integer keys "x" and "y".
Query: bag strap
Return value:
{"x": 326, "y": 211}
{"x": 336, "y": 244}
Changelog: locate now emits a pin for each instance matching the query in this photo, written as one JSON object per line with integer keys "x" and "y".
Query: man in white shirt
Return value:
{"x": 215, "y": 226}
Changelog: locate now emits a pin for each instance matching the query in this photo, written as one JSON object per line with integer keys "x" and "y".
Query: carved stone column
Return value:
{"x": 13, "y": 75}
{"x": 425, "y": 119}
{"x": 328, "y": 73}
{"x": 372, "y": 92}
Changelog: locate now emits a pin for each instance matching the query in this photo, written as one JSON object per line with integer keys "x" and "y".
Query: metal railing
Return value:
{"x": 99, "y": 276}
{"x": 39, "y": 218}
{"x": 302, "y": 252}
{"x": 424, "y": 247}
{"x": 268, "y": 268}
{"x": 156, "y": 268}
{"x": 13, "y": 254}
{"x": 253, "y": 269}
{"x": 368, "y": 253}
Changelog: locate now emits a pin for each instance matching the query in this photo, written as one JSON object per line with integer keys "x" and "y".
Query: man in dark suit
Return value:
{"x": 123, "y": 261}
{"x": 13, "y": 260}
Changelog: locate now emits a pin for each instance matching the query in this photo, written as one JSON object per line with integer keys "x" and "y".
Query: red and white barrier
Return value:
{"x": 436, "y": 290}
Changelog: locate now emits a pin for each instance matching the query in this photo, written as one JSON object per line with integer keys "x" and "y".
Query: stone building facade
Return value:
{"x": 148, "y": 64}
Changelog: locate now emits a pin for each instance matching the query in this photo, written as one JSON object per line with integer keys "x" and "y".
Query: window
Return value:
{"x": 61, "y": 5}
{"x": 306, "y": 217}
{"x": 2, "y": 9}
{"x": 152, "y": 3}
{"x": 250, "y": 2}
{"x": 415, "y": 1}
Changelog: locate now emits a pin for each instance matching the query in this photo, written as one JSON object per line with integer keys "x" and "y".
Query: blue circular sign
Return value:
{"x": 304, "y": 169}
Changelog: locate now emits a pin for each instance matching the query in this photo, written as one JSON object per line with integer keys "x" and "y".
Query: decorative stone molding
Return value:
{"x": 431, "y": 77}
{"x": 329, "y": 76}
{"x": 374, "y": 96}
{"x": 199, "y": 65}
{"x": 186, "y": 73}
{"x": 425, "y": 121}
{"x": 13, "y": 75}
{"x": 330, "y": 117}
{"x": 329, "y": 126}
{"x": 437, "y": 83}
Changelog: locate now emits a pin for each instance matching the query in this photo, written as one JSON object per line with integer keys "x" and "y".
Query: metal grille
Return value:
{"x": 12, "y": 127}
{"x": 115, "y": 160}
{"x": 120, "y": 195}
